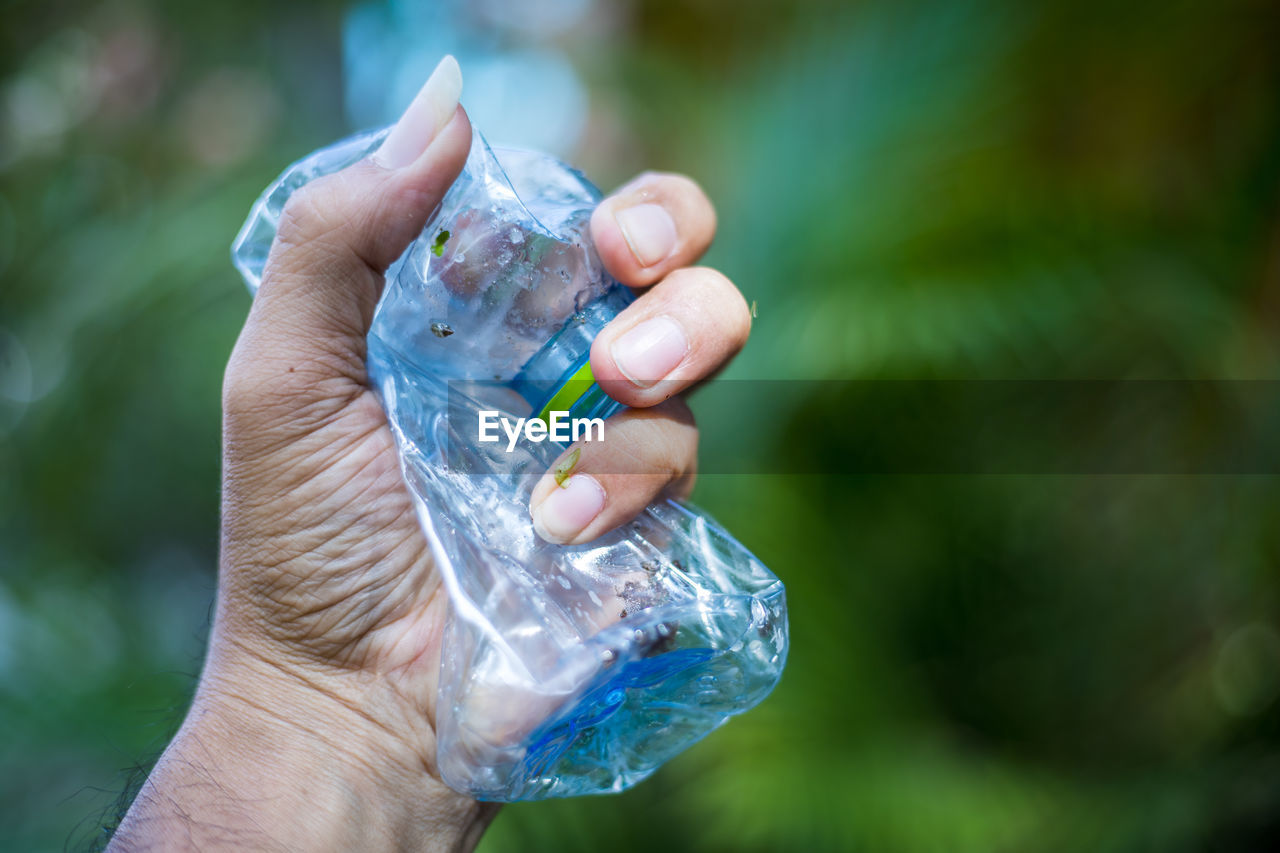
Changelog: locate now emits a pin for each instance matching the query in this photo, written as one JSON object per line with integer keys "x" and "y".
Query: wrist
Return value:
{"x": 269, "y": 759}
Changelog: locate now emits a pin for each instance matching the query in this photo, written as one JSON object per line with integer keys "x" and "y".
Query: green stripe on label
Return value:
{"x": 569, "y": 393}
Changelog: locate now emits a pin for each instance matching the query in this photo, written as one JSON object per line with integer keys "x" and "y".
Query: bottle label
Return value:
{"x": 568, "y": 394}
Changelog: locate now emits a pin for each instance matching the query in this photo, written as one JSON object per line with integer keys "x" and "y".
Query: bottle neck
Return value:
{"x": 558, "y": 378}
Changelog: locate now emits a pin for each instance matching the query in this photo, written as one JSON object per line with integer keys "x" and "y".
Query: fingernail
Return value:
{"x": 650, "y": 232}
{"x": 568, "y": 510}
{"x": 430, "y": 111}
{"x": 650, "y": 351}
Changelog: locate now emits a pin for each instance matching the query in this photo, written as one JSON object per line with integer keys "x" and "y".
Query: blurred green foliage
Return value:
{"x": 942, "y": 190}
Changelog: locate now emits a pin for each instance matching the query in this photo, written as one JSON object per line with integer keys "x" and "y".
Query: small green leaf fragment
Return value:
{"x": 563, "y": 470}
{"x": 753, "y": 309}
{"x": 437, "y": 248}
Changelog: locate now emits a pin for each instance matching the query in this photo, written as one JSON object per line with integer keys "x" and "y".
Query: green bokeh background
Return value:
{"x": 956, "y": 190}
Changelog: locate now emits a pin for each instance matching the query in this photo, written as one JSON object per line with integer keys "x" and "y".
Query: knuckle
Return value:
{"x": 266, "y": 397}
{"x": 647, "y": 177}
{"x": 250, "y": 384}
{"x": 308, "y": 215}
{"x": 682, "y": 422}
{"x": 661, "y": 463}
{"x": 730, "y": 305}
{"x": 678, "y": 465}
{"x": 712, "y": 287}
{"x": 666, "y": 185}
{"x": 688, "y": 196}
{"x": 687, "y": 187}
{"x": 245, "y": 391}
{"x": 676, "y": 412}
{"x": 667, "y": 439}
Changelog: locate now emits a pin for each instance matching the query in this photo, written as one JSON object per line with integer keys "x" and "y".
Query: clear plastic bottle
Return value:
{"x": 565, "y": 670}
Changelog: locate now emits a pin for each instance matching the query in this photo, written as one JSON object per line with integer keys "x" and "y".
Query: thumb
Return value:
{"x": 337, "y": 236}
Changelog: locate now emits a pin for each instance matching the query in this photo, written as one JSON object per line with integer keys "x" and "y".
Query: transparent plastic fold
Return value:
{"x": 565, "y": 670}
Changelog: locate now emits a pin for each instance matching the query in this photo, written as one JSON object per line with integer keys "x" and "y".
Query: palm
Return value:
{"x": 373, "y": 601}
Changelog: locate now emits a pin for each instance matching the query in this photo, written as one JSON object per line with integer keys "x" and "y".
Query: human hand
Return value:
{"x": 313, "y": 725}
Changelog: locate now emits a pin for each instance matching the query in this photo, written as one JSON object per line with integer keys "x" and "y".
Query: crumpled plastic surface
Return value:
{"x": 565, "y": 670}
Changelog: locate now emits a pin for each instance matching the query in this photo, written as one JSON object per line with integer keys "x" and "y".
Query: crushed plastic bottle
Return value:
{"x": 565, "y": 670}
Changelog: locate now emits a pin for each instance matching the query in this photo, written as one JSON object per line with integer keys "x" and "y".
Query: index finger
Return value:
{"x": 652, "y": 226}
